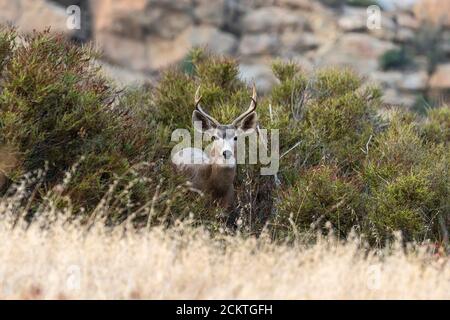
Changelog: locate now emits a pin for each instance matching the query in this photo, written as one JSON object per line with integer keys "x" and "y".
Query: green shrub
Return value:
{"x": 396, "y": 59}
{"x": 407, "y": 181}
{"x": 429, "y": 41}
{"x": 362, "y": 3}
{"x": 319, "y": 195}
{"x": 106, "y": 153}
{"x": 436, "y": 127}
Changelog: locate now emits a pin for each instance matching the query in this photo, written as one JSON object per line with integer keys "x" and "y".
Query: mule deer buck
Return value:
{"x": 213, "y": 171}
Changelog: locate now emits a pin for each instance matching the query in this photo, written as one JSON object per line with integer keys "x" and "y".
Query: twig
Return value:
{"x": 291, "y": 148}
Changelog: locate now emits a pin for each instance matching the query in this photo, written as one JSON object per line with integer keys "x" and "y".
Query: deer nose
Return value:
{"x": 227, "y": 154}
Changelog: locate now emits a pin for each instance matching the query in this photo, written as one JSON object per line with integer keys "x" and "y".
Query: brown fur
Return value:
{"x": 8, "y": 161}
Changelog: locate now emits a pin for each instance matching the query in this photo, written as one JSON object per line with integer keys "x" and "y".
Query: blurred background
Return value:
{"x": 407, "y": 54}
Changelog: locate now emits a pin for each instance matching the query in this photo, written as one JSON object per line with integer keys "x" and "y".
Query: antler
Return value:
{"x": 197, "y": 98}
{"x": 250, "y": 109}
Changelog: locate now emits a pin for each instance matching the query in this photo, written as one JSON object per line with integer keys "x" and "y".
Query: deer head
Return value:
{"x": 222, "y": 151}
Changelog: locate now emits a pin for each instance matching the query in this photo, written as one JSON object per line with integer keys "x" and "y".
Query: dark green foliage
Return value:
{"x": 320, "y": 194}
{"x": 396, "y": 59}
{"x": 334, "y": 3}
{"x": 407, "y": 180}
{"x": 362, "y": 3}
{"x": 429, "y": 42}
{"x": 341, "y": 161}
{"x": 437, "y": 125}
{"x": 7, "y": 37}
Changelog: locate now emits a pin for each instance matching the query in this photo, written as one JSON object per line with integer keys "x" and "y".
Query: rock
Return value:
{"x": 165, "y": 23}
{"x": 404, "y": 35}
{"x": 258, "y": 44}
{"x": 156, "y": 52}
{"x": 132, "y": 53}
{"x": 440, "y": 79}
{"x": 260, "y": 73}
{"x": 210, "y": 12}
{"x": 267, "y": 19}
{"x": 406, "y": 20}
{"x": 163, "y": 53}
{"x": 356, "y": 50}
{"x": 106, "y": 12}
{"x": 322, "y": 23}
{"x": 181, "y": 5}
{"x": 353, "y": 19}
{"x": 295, "y": 4}
{"x": 123, "y": 76}
{"x": 10, "y": 11}
{"x": 445, "y": 45}
{"x": 436, "y": 11}
{"x": 215, "y": 40}
{"x": 29, "y": 15}
{"x": 393, "y": 97}
{"x": 413, "y": 81}
{"x": 154, "y": 21}
{"x": 388, "y": 30}
{"x": 405, "y": 81}
{"x": 390, "y": 5}
{"x": 295, "y": 41}
{"x": 386, "y": 79}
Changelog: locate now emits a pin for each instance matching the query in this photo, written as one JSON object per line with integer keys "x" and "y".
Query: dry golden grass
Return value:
{"x": 51, "y": 258}
{"x": 69, "y": 262}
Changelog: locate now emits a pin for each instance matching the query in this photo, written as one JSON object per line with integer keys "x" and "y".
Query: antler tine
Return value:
{"x": 197, "y": 98}
{"x": 251, "y": 108}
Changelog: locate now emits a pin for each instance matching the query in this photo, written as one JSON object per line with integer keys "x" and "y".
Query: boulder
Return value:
{"x": 162, "y": 52}
{"x": 440, "y": 79}
{"x": 294, "y": 41}
{"x": 386, "y": 79}
{"x": 388, "y": 30}
{"x": 165, "y": 23}
{"x": 29, "y": 15}
{"x": 125, "y": 77}
{"x": 295, "y": 4}
{"x": 258, "y": 44}
{"x": 214, "y": 39}
{"x": 404, "y": 35}
{"x": 261, "y": 74}
{"x": 356, "y": 50}
{"x": 405, "y": 81}
{"x": 413, "y": 81}
{"x": 353, "y": 19}
{"x": 436, "y": 11}
{"x": 210, "y": 12}
{"x": 267, "y": 19}
{"x": 393, "y": 97}
{"x": 124, "y": 51}
{"x": 106, "y": 12}
{"x": 406, "y": 20}
{"x": 183, "y": 5}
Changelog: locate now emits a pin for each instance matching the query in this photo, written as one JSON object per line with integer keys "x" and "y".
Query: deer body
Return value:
{"x": 214, "y": 170}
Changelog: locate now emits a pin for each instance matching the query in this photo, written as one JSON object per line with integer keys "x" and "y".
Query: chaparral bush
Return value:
{"x": 346, "y": 163}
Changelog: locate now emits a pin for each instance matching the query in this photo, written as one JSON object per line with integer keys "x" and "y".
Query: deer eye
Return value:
{"x": 213, "y": 138}
{"x": 235, "y": 138}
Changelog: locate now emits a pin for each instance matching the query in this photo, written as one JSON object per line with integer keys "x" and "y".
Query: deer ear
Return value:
{"x": 200, "y": 122}
{"x": 248, "y": 124}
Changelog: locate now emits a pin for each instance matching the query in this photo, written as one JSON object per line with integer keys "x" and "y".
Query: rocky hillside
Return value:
{"x": 409, "y": 56}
